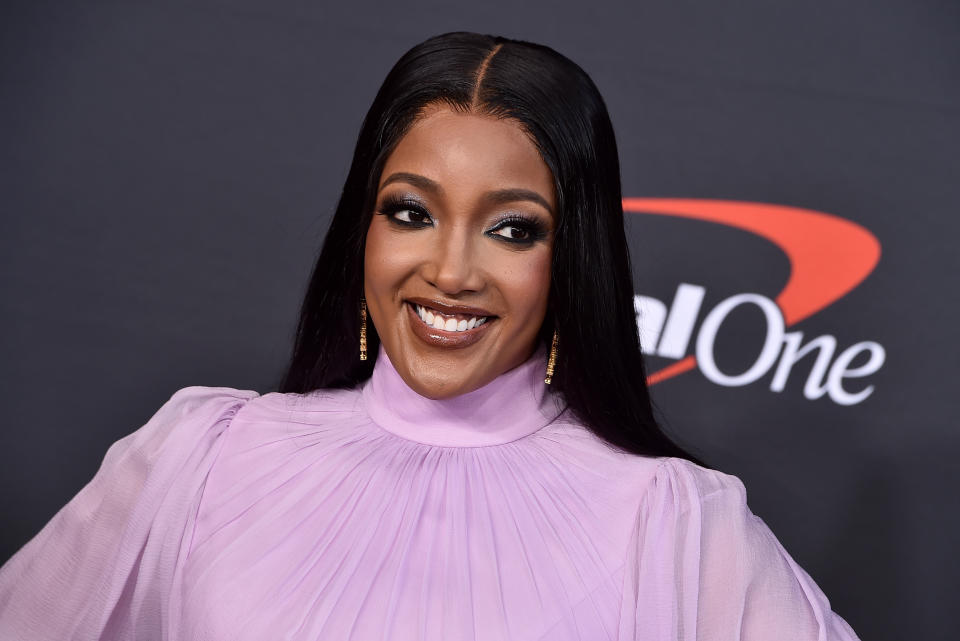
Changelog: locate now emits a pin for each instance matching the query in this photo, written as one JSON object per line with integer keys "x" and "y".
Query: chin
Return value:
{"x": 435, "y": 385}
{"x": 439, "y": 388}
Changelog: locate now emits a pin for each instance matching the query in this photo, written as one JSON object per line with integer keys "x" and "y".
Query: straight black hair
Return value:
{"x": 600, "y": 368}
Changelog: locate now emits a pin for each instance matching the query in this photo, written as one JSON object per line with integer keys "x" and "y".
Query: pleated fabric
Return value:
{"x": 376, "y": 514}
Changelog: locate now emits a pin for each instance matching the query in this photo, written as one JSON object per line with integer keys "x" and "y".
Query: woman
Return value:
{"x": 463, "y": 446}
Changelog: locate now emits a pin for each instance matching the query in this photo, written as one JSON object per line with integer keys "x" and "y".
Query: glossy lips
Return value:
{"x": 474, "y": 326}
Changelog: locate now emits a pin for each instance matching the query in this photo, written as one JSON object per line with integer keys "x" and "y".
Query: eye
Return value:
{"x": 519, "y": 230}
{"x": 513, "y": 232}
{"x": 410, "y": 216}
{"x": 405, "y": 213}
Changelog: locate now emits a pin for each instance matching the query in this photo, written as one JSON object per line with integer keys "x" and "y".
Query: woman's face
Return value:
{"x": 457, "y": 262}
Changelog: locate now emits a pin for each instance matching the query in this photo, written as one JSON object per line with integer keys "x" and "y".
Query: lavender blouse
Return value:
{"x": 377, "y": 514}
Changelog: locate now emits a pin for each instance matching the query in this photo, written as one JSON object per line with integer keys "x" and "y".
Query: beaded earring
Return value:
{"x": 552, "y": 361}
{"x": 363, "y": 328}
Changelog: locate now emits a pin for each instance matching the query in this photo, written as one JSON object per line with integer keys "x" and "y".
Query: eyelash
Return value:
{"x": 534, "y": 229}
{"x": 391, "y": 206}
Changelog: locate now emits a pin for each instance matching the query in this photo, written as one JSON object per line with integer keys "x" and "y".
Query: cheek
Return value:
{"x": 386, "y": 262}
{"x": 525, "y": 282}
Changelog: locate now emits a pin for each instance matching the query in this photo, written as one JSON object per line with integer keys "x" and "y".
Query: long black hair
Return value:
{"x": 600, "y": 368}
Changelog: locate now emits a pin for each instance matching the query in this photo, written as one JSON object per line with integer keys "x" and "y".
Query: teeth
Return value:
{"x": 448, "y": 323}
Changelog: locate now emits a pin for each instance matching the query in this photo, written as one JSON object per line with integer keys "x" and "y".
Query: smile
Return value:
{"x": 448, "y": 322}
{"x": 449, "y": 329}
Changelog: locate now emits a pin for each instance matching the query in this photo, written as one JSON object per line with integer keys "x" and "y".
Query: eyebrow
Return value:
{"x": 495, "y": 197}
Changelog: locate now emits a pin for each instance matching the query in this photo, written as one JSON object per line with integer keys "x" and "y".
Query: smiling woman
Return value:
{"x": 459, "y": 254}
{"x": 463, "y": 446}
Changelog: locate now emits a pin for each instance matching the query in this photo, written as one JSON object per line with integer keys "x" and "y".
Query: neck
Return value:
{"x": 515, "y": 404}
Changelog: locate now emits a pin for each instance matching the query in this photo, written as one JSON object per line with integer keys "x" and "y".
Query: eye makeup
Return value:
{"x": 416, "y": 214}
{"x": 523, "y": 230}
{"x": 513, "y": 228}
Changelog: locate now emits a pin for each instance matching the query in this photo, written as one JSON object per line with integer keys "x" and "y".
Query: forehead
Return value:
{"x": 468, "y": 150}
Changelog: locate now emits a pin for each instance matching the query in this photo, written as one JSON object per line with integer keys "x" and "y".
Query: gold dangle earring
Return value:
{"x": 363, "y": 328}
{"x": 552, "y": 361}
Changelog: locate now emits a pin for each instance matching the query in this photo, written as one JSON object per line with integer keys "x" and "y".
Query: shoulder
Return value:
{"x": 700, "y": 553}
{"x": 697, "y": 482}
{"x": 272, "y": 423}
{"x": 682, "y": 491}
{"x": 194, "y": 398}
{"x": 695, "y": 532}
{"x": 285, "y": 414}
{"x": 687, "y": 498}
{"x": 197, "y": 404}
{"x": 191, "y": 417}
{"x": 707, "y": 515}
{"x": 320, "y": 401}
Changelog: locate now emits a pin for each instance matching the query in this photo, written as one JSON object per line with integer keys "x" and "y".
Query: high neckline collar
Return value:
{"x": 515, "y": 404}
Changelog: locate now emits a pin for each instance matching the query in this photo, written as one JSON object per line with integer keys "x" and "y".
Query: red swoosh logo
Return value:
{"x": 828, "y": 255}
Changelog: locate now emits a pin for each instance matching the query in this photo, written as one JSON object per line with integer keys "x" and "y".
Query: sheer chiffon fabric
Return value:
{"x": 374, "y": 513}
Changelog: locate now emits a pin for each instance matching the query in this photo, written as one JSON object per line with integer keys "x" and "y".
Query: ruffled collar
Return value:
{"x": 514, "y": 405}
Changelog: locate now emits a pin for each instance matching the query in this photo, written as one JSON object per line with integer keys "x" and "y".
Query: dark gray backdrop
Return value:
{"x": 168, "y": 171}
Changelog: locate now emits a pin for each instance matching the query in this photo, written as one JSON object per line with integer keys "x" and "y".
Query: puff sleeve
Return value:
{"x": 702, "y": 567}
{"x": 105, "y": 566}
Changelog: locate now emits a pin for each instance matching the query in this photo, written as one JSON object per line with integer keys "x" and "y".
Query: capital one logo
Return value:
{"x": 829, "y": 256}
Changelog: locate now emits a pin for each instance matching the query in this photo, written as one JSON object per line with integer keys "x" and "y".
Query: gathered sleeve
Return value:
{"x": 105, "y": 566}
{"x": 702, "y": 567}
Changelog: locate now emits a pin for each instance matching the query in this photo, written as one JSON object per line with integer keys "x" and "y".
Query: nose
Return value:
{"x": 451, "y": 266}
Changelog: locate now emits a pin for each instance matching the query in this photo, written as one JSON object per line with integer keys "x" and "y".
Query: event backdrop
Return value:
{"x": 791, "y": 188}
